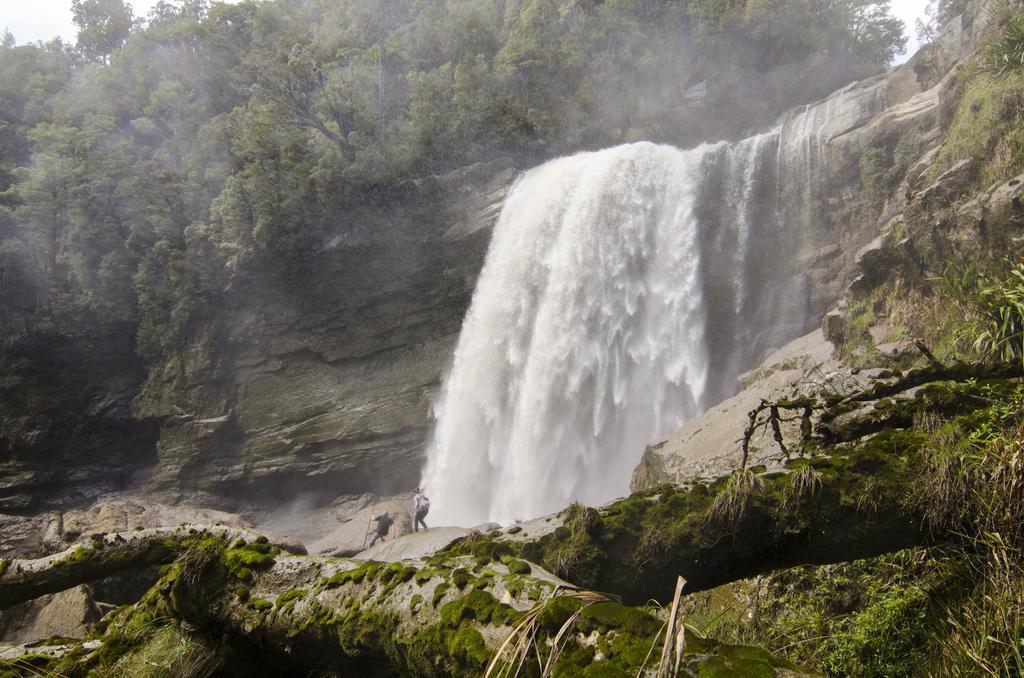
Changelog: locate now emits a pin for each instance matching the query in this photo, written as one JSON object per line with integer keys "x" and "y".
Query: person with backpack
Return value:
{"x": 420, "y": 507}
{"x": 384, "y": 522}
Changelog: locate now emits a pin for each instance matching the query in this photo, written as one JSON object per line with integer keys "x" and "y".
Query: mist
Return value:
{"x": 239, "y": 189}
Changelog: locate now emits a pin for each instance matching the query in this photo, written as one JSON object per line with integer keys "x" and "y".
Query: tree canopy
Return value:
{"x": 144, "y": 165}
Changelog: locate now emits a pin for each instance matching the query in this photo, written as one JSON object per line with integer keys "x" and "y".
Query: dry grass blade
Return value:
{"x": 32, "y": 670}
{"x": 672, "y": 635}
{"x": 647, "y": 658}
{"x": 522, "y": 639}
{"x": 558, "y": 642}
{"x": 518, "y": 639}
{"x": 680, "y": 641}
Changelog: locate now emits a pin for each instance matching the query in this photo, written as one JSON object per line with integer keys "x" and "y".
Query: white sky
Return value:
{"x": 31, "y": 20}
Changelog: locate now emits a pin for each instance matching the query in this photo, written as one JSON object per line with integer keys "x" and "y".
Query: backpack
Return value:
{"x": 384, "y": 523}
{"x": 424, "y": 503}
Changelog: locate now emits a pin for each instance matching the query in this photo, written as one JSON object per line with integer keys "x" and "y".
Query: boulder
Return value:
{"x": 710, "y": 445}
{"x": 68, "y": 614}
{"x": 417, "y": 545}
{"x": 351, "y": 537}
{"x": 122, "y": 515}
{"x": 1006, "y": 203}
{"x": 872, "y": 263}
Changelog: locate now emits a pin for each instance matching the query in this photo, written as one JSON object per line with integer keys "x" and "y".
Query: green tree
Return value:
{"x": 103, "y": 26}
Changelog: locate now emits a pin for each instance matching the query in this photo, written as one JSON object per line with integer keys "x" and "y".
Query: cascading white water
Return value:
{"x": 622, "y": 293}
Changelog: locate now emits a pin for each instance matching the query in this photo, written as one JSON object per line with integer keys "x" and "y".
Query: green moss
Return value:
{"x": 574, "y": 659}
{"x": 438, "y": 650}
{"x": 29, "y": 664}
{"x": 80, "y": 554}
{"x": 117, "y": 644}
{"x": 478, "y": 605}
{"x": 516, "y": 566}
{"x": 987, "y": 127}
{"x": 367, "y": 630}
{"x": 396, "y": 573}
{"x": 468, "y": 644}
{"x": 557, "y": 611}
{"x": 367, "y": 570}
{"x": 242, "y": 592}
{"x": 246, "y": 558}
{"x": 290, "y": 596}
{"x": 608, "y": 615}
{"x": 482, "y": 548}
{"x": 260, "y": 604}
{"x": 739, "y": 661}
{"x": 460, "y": 578}
{"x": 317, "y": 616}
{"x": 414, "y": 603}
{"x": 4, "y": 564}
{"x": 426, "y": 574}
{"x": 439, "y": 592}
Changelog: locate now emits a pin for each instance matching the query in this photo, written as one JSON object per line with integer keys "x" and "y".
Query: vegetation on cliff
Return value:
{"x": 945, "y": 477}
{"x": 898, "y": 507}
{"x": 942, "y": 276}
{"x": 140, "y": 168}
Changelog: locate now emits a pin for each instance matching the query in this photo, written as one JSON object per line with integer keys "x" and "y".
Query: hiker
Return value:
{"x": 384, "y": 522}
{"x": 420, "y": 507}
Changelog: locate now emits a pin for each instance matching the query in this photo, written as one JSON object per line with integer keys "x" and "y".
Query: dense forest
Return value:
{"x": 205, "y": 399}
{"x": 144, "y": 166}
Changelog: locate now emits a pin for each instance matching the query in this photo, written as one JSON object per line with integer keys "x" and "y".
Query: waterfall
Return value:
{"x": 623, "y": 292}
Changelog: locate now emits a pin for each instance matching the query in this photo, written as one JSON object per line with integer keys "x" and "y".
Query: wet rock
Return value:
{"x": 413, "y": 546}
{"x": 22, "y": 536}
{"x": 1006, "y": 203}
{"x": 320, "y": 386}
{"x": 873, "y": 262}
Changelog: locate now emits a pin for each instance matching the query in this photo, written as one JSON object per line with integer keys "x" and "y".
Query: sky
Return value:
{"x": 31, "y": 20}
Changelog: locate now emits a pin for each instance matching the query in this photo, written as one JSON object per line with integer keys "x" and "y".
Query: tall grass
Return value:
{"x": 974, "y": 484}
{"x": 732, "y": 502}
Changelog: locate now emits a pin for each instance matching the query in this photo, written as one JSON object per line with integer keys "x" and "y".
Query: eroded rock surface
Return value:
{"x": 902, "y": 108}
{"x": 711, "y": 444}
{"x": 317, "y": 385}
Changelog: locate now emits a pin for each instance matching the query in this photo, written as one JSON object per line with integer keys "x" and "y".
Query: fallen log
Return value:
{"x": 102, "y": 555}
{"x": 302, "y": 615}
{"x": 856, "y": 502}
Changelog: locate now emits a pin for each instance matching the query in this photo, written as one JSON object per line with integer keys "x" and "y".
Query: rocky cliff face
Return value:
{"x": 310, "y": 382}
{"x": 887, "y": 211}
{"x": 859, "y": 142}
{"x": 317, "y": 382}
{"x": 314, "y": 381}
{"x": 67, "y": 429}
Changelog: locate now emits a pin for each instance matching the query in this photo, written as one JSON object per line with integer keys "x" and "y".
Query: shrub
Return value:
{"x": 1007, "y": 53}
{"x": 994, "y": 306}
